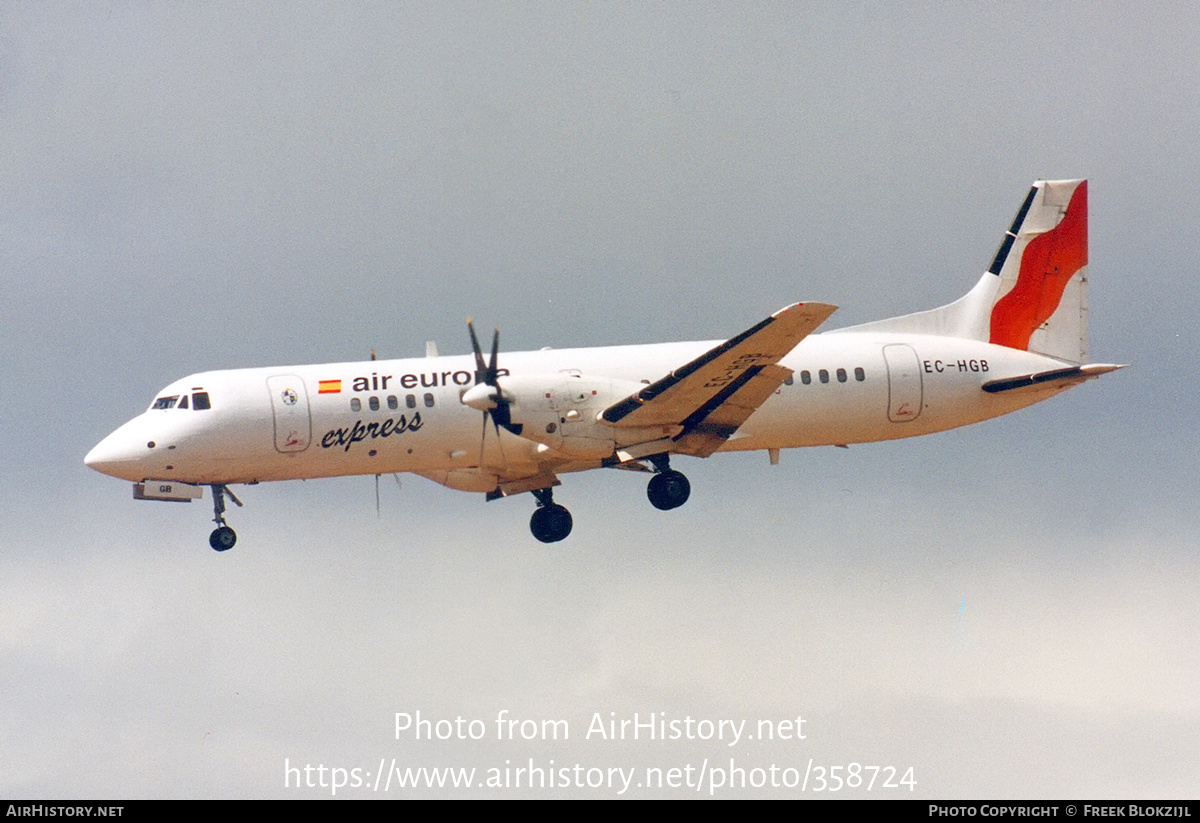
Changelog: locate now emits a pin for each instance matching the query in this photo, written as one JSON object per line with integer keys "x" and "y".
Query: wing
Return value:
{"x": 714, "y": 394}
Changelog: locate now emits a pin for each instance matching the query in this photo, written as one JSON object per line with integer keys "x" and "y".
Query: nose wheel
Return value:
{"x": 223, "y": 537}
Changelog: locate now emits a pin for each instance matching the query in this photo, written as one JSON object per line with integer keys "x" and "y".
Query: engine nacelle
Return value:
{"x": 463, "y": 480}
{"x": 561, "y": 411}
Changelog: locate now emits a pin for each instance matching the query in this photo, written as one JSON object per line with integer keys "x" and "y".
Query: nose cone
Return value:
{"x": 120, "y": 454}
{"x": 105, "y": 457}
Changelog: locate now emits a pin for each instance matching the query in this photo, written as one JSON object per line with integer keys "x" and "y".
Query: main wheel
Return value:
{"x": 668, "y": 490}
{"x": 222, "y": 539}
{"x": 550, "y": 524}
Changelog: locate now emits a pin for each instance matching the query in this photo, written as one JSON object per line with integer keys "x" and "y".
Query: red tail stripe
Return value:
{"x": 1048, "y": 264}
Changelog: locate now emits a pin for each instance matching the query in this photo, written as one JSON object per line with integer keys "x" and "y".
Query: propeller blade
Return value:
{"x": 493, "y": 373}
{"x": 500, "y": 444}
{"x": 482, "y": 441}
{"x": 480, "y": 368}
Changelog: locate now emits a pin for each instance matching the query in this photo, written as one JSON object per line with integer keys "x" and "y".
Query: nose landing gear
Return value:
{"x": 223, "y": 537}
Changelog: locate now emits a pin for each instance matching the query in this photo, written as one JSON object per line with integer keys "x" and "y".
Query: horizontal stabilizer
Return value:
{"x": 1055, "y": 378}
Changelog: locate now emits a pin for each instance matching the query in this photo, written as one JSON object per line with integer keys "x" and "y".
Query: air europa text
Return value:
{"x": 412, "y": 380}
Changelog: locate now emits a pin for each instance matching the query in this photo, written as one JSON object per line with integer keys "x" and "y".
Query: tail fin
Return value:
{"x": 1034, "y": 295}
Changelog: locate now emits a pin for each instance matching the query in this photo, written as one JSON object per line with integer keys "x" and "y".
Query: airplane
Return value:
{"x": 505, "y": 425}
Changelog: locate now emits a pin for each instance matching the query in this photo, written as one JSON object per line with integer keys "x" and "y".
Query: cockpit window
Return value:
{"x": 199, "y": 401}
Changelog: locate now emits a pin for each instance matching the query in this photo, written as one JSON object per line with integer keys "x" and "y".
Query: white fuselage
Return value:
{"x": 390, "y": 416}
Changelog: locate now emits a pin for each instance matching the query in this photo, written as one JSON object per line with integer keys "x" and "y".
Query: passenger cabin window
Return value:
{"x": 843, "y": 375}
{"x": 393, "y": 403}
{"x": 165, "y": 402}
{"x": 373, "y": 403}
{"x": 411, "y": 401}
{"x": 429, "y": 400}
{"x": 355, "y": 404}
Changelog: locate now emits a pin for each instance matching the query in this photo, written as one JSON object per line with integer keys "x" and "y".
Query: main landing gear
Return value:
{"x": 550, "y": 522}
{"x": 223, "y": 537}
{"x": 668, "y": 488}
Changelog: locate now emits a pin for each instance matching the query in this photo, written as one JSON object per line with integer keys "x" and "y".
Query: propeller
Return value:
{"x": 486, "y": 395}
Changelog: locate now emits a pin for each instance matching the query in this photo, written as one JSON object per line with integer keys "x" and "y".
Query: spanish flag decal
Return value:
{"x": 329, "y": 386}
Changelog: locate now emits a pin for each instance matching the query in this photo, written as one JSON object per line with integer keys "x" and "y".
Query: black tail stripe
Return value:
{"x": 1011, "y": 235}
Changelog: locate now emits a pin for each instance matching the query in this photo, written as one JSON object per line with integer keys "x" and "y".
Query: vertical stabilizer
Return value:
{"x": 1034, "y": 295}
{"x": 1041, "y": 302}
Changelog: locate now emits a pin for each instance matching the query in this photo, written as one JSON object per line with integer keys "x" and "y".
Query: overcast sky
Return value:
{"x": 1010, "y": 609}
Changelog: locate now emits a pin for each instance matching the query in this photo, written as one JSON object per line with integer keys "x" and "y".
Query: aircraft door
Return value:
{"x": 904, "y": 383}
{"x": 289, "y": 405}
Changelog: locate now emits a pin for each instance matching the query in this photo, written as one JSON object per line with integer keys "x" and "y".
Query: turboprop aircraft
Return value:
{"x": 516, "y": 422}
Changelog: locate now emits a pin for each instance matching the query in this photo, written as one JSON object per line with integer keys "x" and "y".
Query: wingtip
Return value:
{"x": 827, "y": 308}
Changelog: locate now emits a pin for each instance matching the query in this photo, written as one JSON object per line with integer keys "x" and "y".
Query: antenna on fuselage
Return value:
{"x": 395, "y": 477}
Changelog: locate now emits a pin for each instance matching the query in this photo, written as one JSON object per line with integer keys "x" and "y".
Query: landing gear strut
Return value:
{"x": 223, "y": 537}
{"x": 668, "y": 488}
{"x": 550, "y": 522}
